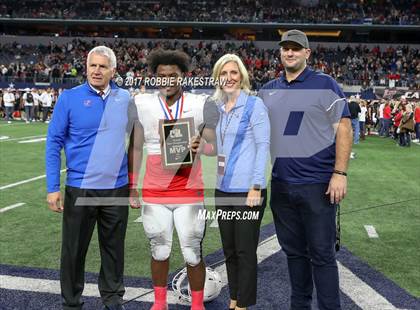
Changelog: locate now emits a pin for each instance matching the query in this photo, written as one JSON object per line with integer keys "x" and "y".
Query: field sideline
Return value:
{"x": 382, "y": 176}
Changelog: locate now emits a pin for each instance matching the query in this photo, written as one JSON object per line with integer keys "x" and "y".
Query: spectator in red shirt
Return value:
{"x": 397, "y": 122}
{"x": 258, "y": 63}
{"x": 387, "y": 119}
{"x": 417, "y": 122}
{"x": 265, "y": 63}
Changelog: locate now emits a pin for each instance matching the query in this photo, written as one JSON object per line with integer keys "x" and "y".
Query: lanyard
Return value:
{"x": 167, "y": 111}
{"x": 222, "y": 135}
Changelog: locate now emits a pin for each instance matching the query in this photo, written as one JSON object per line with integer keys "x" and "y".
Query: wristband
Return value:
{"x": 132, "y": 180}
{"x": 340, "y": 172}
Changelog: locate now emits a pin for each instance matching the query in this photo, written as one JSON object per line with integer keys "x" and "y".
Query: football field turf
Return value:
{"x": 384, "y": 192}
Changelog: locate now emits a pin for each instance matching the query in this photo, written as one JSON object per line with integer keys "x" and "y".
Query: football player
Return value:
{"x": 172, "y": 197}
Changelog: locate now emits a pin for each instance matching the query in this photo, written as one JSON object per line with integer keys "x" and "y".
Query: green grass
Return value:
{"x": 382, "y": 173}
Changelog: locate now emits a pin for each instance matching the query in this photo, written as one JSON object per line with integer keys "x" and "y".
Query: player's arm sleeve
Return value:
{"x": 261, "y": 129}
{"x": 57, "y": 132}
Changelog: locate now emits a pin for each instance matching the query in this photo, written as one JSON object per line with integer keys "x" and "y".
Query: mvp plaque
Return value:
{"x": 175, "y": 139}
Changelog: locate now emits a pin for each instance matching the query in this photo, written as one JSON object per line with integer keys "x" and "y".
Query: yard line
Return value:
{"x": 13, "y": 123}
{"x": 26, "y": 181}
{"x": 360, "y": 292}
{"x": 371, "y": 231}
{"x": 90, "y": 290}
{"x": 33, "y": 140}
{"x": 12, "y": 207}
{"x": 23, "y": 138}
{"x": 265, "y": 250}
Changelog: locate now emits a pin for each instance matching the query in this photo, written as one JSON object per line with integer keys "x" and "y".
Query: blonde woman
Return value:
{"x": 243, "y": 139}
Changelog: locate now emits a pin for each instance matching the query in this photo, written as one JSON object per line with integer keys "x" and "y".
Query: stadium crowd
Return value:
{"x": 398, "y": 119}
{"x": 396, "y": 12}
{"x": 357, "y": 65}
{"x": 30, "y": 105}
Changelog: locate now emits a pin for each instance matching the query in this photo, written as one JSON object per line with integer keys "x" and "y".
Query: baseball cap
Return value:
{"x": 296, "y": 36}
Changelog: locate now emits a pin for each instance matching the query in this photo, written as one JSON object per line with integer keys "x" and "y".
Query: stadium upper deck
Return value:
{"x": 386, "y": 21}
{"x": 381, "y": 21}
{"x": 351, "y": 65}
{"x": 395, "y": 12}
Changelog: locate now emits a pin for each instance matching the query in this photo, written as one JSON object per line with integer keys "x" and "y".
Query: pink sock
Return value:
{"x": 160, "y": 298}
{"x": 197, "y": 302}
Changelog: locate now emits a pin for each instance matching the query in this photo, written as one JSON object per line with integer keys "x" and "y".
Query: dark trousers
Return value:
{"x": 9, "y": 113}
{"x": 379, "y": 125}
{"x": 417, "y": 129}
{"x": 45, "y": 111}
{"x": 78, "y": 225}
{"x": 240, "y": 241}
{"x": 36, "y": 112}
{"x": 362, "y": 130}
{"x": 405, "y": 139}
{"x": 386, "y": 126}
{"x": 396, "y": 134}
{"x": 29, "y": 113}
{"x": 306, "y": 230}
